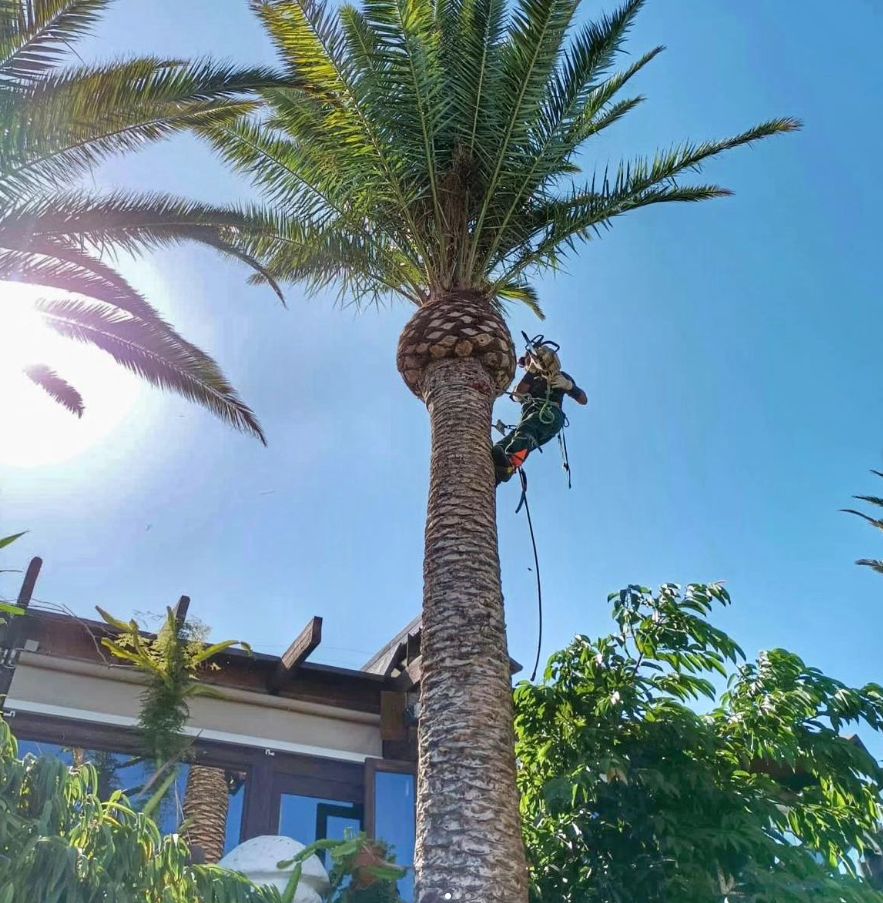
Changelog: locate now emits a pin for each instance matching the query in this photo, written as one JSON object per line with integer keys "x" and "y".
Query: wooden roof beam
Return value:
{"x": 28, "y": 584}
{"x": 296, "y": 654}
{"x": 180, "y": 610}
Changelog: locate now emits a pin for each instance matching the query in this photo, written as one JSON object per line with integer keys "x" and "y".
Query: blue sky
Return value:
{"x": 730, "y": 352}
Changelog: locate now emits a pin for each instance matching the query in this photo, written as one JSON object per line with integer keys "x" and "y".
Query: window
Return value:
{"x": 130, "y": 774}
{"x": 235, "y": 812}
{"x": 304, "y": 797}
{"x": 391, "y": 800}
{"x": 308, "y": 819}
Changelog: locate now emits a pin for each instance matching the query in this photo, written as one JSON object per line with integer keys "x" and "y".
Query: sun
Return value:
{"x": 37, "y": 431}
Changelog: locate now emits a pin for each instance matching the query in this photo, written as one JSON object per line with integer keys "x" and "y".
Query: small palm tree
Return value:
{"x": 430, "y": 150}
{"x": 173, "y": 663}
{"x": 60, "y": 120}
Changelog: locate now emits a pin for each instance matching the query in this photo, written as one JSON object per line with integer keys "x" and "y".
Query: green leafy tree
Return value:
{"x": 629, "y": 794}
{"x": 432, "y": 152}
{"x": 59, "y": 119}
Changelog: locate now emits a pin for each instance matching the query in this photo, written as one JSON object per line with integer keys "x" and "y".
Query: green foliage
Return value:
{"x": 873, "y": 563}
{"x": 60, "y": 843}
{"x": 7, "y": 608}
{"x": 362, "y": 871}
{"x": 171, "y": 661}
{"x": 8, "y": 540}
{"x": 59, "y": 121}
{"x": 629, "y": 794}
{"x": 423, "y": 146}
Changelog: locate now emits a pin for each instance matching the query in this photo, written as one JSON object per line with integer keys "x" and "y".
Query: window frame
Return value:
{"x": 372, "y": 767}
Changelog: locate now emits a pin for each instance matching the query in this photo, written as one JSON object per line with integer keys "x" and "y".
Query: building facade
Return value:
{"x": 310, "y": 751}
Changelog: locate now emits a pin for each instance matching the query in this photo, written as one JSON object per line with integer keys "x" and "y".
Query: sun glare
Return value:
{"x": 34, "y": 429}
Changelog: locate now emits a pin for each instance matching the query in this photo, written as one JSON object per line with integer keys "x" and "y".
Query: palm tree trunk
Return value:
{"x": 469, "y": 842}
{"x": 206, "y": 803}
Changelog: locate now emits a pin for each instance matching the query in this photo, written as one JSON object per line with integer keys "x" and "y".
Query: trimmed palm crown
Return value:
{"x": 58, "y": 121}
{"x": 424, "y": 147}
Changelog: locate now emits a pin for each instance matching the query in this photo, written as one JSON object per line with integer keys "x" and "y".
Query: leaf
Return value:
{"x": 8, "y": 540}
{"x": 122, "y": 626}
{"x": 160, "y": 793}
{"x": 874, "y": 522}
{"x": 211, "y": 651}
{"x": 874, "y": 564}
{"x": 155, "y": 352}
{"x": 56, "y": 387}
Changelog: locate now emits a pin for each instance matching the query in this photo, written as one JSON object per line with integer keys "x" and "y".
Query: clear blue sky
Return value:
{"x": 731, "y": 353}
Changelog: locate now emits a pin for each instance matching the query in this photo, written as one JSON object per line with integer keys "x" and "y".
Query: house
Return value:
{"x": 309, "y": 750}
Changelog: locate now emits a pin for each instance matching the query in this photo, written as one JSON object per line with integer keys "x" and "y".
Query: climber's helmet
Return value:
{"x": 542, "y": 361}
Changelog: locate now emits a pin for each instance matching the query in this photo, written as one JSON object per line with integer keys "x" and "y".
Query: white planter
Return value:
{"x": 257, "y": 859}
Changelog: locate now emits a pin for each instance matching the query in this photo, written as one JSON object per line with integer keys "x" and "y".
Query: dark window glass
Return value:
{"x": 308, "y": 819}
{"x": 234, "y": 814}
{"x": 395, "y": 821}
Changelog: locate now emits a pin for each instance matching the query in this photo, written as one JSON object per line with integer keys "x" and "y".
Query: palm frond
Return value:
{"x": 555, "y": 226}
{"x": 66, "y": 123}
{"x": 154, "y": 352}
{"x": 477, "y": 70}
{"x": 347, "y": 110}
{"x": 529, "y": 59}
{"x": 872, "y": 499}
{"x": 877, "y": 502}
{"x": 578, "y": 105}
{"x": 36, "y": 34}
{"x": 440, "y": 141}
{"x": 58, "y": 122}
{"x": 872, "y": 563}
{"x": 56, "y": 387}
{"x": 522, "y": 293}
{"x": 874, "y": 522}
{"x": 410, "y": 45}
{"x": 307, "y": 180}
{"x": 59, "y": 266}
{"x": 133, "y": 223}
{"x": 321, "y": 256}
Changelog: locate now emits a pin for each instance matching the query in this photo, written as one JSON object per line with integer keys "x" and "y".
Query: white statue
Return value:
{"x": 258, "y": 860}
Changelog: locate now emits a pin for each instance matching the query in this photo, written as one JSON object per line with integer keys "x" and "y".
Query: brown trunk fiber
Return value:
{"x": 469, "y": 842}
{"x": 206, "y": 802}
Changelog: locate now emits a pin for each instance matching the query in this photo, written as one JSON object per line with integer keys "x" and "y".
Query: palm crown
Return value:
{"x": 422, "y": 146}
{"x": 58, "y": 122}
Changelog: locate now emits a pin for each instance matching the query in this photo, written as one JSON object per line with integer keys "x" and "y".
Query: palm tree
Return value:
{"x": 428, "y": 149}
{"x": 60, "y": 120}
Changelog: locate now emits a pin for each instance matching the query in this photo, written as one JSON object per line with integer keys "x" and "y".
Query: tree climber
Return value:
{"x": 541, "y": 393}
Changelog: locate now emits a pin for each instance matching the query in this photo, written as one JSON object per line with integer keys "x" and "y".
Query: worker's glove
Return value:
{"x": 560, "y": 381}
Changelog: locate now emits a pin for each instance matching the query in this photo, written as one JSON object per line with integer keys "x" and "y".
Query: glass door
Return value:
{"x": 391, "y": 800}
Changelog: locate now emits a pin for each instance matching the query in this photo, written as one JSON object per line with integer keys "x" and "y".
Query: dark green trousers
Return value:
{"x": 540, "y": 422}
